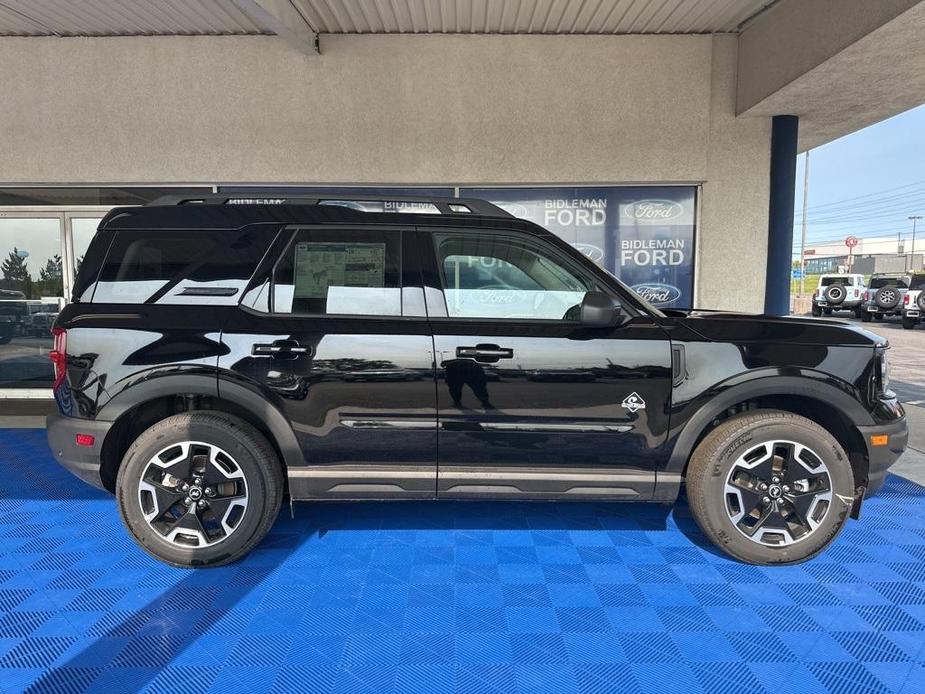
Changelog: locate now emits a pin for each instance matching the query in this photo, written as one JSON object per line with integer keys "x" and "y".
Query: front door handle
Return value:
{"x": 485, "y": 353}
{"x": 283, "y": 349}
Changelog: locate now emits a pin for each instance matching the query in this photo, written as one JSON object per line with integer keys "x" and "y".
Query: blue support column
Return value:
{"x": 784, "y": 130}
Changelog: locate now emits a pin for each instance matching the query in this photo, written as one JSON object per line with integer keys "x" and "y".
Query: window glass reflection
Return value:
{"x": 31, "y": 287}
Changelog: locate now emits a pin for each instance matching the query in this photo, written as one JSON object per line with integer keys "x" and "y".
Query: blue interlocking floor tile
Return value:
{"x": 450, "y": 597}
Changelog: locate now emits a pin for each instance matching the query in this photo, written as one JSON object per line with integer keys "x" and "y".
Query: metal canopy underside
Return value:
{"x": 234, "y": 17}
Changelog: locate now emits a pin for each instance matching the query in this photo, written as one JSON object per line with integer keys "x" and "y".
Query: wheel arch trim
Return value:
{"x": 826, "y": 395}
{"x": 210, "y": 385}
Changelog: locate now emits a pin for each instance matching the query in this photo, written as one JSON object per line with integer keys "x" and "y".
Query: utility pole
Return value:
{"x": 914, "y": 218}
{"x": 803, "y": 237}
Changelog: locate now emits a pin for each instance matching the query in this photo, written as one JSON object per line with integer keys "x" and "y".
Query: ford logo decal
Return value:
{"x": 657, "y": 293}
{"x": 653, "y": 210}
{"x": 515, "y": 209}
{"x": 591, "y": 252}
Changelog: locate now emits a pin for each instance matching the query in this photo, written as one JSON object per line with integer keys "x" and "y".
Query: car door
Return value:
{"x": 335, "y": 335}
{"x": 530, "y": 403}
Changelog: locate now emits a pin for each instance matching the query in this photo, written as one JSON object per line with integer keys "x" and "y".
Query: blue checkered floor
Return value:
{"x": 433, "y": 597}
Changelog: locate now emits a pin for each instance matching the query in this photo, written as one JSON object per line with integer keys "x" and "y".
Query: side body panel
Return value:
{"x": 358, "y": 392}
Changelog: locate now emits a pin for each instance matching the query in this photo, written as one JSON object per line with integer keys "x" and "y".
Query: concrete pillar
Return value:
{"x": 784, "y": 132}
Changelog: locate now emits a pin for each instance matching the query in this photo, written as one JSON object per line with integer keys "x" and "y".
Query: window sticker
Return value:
{"x": 322, "y": 265}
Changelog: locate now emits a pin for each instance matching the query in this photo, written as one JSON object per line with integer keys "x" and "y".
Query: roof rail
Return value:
{"x": 446, "y": 206}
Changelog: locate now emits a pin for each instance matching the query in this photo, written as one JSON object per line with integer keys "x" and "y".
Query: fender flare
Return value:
{"x": 209, "y": 384}
{"x": 826, "y": 394}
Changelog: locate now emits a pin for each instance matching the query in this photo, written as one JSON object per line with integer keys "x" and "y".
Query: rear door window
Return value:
{"x": 340, "y": 272}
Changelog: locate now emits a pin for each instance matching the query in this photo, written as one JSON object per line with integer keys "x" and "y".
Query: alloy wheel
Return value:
{"x": 778, "y": 493}
{"x": 193, "y": 494}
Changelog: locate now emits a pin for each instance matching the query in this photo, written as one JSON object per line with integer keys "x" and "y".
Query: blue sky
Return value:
{"x": 865, "y": 184}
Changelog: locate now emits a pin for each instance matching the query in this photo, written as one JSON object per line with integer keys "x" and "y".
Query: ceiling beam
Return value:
{"x": 283, "y": 19}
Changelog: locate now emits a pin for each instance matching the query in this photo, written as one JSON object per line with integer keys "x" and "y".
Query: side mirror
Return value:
{"x": 600, "y": 311}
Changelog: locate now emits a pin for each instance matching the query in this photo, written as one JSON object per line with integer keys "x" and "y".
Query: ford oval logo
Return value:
{"x": 657, "y": 293}
{"x": 592, "y": 252}
{"x": 653, "y": 210}
{"x": 515, "y": 209}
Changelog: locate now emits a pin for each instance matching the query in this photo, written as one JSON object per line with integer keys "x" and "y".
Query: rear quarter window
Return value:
{"x": 180, "y": 267}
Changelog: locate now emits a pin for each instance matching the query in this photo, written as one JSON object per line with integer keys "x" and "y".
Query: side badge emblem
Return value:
{"x": 633, "y": 402}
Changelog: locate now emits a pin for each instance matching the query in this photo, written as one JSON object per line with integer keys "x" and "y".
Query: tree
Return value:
{"x": 14, "y": 267}
{"x": 52, "y": 270}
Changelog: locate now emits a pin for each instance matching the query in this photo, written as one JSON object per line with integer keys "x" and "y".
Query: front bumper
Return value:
{"x": 880, "y": 458}
{"x": 82, "y": 461}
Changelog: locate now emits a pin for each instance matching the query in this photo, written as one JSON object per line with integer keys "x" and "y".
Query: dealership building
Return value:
{"x": 657, "y": 136}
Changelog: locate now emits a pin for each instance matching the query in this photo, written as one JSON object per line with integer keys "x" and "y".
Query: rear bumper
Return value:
{"x": 82, "y": 461}
{"x": 880, "y": 458}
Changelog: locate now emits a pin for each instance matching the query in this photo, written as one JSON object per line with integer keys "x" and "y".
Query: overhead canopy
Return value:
{"x": 208, "y": 17}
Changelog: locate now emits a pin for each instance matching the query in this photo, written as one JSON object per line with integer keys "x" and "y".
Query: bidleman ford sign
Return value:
{"x": 643, "y": 235}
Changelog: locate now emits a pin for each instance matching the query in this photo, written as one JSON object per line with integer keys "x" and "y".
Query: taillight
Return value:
{"x": 58, "y": 355}
{"x": 856, "y": 293}
{"x": 906, "y": 300}
{"x": 866, "y": 296}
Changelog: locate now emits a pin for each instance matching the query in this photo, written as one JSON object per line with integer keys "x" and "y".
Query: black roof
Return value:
{"x": 223, "y": 212}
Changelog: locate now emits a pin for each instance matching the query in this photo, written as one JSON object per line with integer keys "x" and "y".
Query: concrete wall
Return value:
{"x": 400, "y": 109}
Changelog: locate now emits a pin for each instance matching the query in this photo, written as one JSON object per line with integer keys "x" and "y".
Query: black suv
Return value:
{"x": 220, "y": 353}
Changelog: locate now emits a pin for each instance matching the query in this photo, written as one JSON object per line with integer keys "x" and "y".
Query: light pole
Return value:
{"x": 803, "y": 236}
{"x": 914, "y": 218}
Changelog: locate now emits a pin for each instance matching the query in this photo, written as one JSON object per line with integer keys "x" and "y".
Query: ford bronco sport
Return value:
{"x": 220, "y": 353}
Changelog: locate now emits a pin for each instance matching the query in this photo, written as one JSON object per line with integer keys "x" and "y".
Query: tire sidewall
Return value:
{"x": 737, "y": 442}
{"x": 235, "y": 443}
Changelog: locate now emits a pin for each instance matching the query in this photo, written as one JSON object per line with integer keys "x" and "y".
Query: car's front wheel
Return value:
{"x": 770, "y": 487}
{"x": 199, "y": 489}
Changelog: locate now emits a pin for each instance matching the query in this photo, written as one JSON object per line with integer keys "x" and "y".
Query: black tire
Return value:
{"x": 827, "y": 311}
{"x": 255, "y": 463}
{"x": 866, "y": 316}
{"x": 817, "y": 311}
{"x": 713, "y": 460}
{"x": 909, "y": 323}
{"x": 859, "y": 312}
{"x": 878, "y": 316}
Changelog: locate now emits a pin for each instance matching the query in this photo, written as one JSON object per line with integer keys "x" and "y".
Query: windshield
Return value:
{"x": 918, "y": 282}
{"x": 826, "y": 281}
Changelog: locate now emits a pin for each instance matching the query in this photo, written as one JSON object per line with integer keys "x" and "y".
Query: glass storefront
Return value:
{"x": 40, "y": 251}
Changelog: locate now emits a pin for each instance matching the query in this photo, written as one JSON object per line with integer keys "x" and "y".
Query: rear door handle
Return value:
{"x": 485, "y": 353}
{"x": 282, "y": 349}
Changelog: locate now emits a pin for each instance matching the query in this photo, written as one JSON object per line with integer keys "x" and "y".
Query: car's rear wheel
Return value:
{"x": 878, "y": 316}
{"x": 865, "y": 316}
{"x": 199, "y": 489}
{"x": 817, "y": 311}
{"x": 909, "y": 323}
{"x": 859, "y": 312}
{"x": 770, "y": 487}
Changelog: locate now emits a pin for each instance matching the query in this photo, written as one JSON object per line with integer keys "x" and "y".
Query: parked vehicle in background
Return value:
{"x": 839, "y": 293}
{"x": 219, "y": 353}
{"x": 913, "y": 306}
{"x": 884, "y": 295}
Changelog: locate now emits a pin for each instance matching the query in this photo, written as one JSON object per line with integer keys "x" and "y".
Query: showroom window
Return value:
{"x": 31, "y": 291}
{"x": 341, "y": 272}
{"x": 501, "y": 276}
